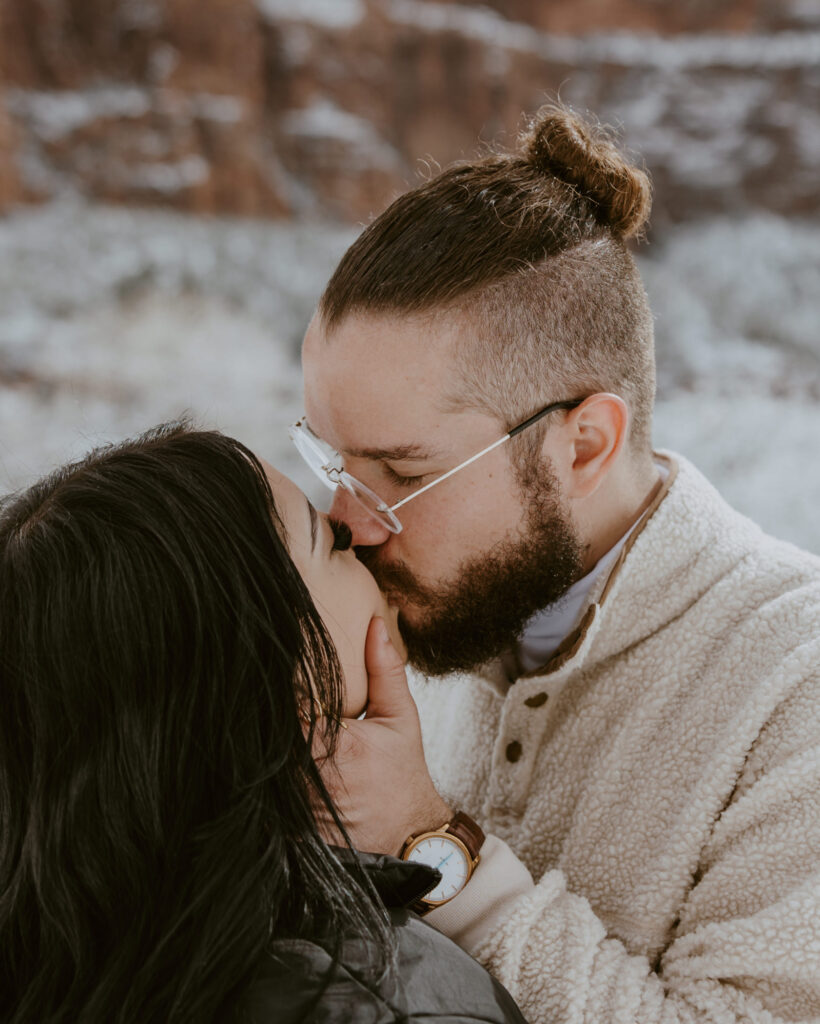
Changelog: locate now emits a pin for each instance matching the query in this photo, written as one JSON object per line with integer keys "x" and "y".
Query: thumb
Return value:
{"x": 387, "y": 692}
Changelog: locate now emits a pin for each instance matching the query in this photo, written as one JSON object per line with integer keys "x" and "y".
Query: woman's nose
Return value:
{"x": 367, "y": 531}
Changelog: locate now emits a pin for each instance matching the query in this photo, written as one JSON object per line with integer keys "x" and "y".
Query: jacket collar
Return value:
{"x": 692, "y": 539}
{"x": 495, "y": 673}
{"x": 399, "y": 883}
{"x": 604, "y": 586}
{"x": 686, "y": 540}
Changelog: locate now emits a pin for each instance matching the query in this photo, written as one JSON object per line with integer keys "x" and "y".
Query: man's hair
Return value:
{"x": 528, "y": 251}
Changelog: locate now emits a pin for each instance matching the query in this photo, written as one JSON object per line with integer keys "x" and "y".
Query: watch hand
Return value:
{"x": 441, "y": 863}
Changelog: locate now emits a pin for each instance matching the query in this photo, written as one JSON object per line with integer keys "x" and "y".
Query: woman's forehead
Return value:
{"x": 289, "y": 499}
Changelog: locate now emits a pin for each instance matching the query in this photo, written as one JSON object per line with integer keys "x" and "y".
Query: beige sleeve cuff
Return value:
{"x": 487, "y": 899}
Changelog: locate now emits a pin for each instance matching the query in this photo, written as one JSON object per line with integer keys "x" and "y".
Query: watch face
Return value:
{"x": 450, "y": 859}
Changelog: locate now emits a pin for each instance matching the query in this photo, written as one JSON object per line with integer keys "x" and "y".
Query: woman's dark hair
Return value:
{"x": 158, "y": 650}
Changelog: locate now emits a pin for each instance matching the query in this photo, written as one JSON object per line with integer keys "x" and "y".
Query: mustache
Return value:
{"x": 393, "y": 577}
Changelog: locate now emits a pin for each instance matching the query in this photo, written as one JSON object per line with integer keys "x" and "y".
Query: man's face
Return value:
{"x": 478, "y": 555}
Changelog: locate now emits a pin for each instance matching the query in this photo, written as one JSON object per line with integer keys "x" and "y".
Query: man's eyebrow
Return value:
{"x": 394, "y": 453}
{"x": 314, "y": 525}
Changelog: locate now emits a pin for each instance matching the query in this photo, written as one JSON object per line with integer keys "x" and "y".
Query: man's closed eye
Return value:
{"x": 403, "y": 481}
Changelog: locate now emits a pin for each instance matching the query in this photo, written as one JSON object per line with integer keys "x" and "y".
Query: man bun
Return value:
{"x": 562, "y": 144}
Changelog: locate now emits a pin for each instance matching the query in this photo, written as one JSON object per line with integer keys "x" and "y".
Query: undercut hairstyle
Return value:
{"x": 527, "y": 251}
{"x": 159, "y": 653}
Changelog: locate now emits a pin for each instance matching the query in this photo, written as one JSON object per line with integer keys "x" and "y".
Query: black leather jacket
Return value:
{"x": 435, "y": 980}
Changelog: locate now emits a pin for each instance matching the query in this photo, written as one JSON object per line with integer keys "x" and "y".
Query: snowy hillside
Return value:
{"x": 112, "y": 320}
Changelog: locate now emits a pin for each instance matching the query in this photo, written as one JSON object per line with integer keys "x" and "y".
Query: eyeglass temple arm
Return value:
{"x": 450, "y": 472}
{"x": 543, "y": 412}
{"x": 515, "y": 430}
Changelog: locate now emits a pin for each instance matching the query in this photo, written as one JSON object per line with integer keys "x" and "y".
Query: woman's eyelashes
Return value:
{"x": 342, "y": 537}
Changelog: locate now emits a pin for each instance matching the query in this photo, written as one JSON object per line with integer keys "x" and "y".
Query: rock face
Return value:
{"x": 643, "y": 16}
{"x": 9, "y": 184}
{"x": 137, "y": 101}
{"x": 9, "y": 181}
{"x": 331, "y": 107}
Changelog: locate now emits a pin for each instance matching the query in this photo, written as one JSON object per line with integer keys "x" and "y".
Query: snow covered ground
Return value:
{"x": 112, "y": 320}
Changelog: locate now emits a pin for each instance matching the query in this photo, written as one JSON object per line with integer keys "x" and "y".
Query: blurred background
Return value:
{"x": 179, "y": 177}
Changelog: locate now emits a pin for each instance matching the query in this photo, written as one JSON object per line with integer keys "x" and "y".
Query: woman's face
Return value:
{"x": 344, "y": 592}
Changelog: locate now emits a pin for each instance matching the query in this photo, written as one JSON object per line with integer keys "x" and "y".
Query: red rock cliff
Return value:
{"x": 279, "y": 107}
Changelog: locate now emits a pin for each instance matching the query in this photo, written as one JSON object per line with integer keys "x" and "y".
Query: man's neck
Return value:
{"x": 547, "y": 629}
{"x": 625, "y": 507}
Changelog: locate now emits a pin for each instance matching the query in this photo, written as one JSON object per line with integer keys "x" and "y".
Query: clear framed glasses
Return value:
{"x": 326, "y": 463}
{"x": 328, "y": 466}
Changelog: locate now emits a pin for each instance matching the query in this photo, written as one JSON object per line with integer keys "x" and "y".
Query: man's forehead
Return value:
{"x": 374, "y": 390}
{"x": 403, "y": 349}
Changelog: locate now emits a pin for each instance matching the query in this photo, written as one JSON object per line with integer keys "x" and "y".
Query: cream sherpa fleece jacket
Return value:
{"x": 652, "y": 796}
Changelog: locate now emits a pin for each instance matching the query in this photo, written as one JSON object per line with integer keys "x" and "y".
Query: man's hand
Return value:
{"x": 378, "y": 779}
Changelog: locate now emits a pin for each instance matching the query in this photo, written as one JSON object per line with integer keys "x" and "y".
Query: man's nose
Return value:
{"x": 367, "y": 531}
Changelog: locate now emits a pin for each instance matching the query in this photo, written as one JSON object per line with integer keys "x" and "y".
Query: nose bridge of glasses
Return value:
{"x": 319, "y": 456}
{"x": 328, "y": 465}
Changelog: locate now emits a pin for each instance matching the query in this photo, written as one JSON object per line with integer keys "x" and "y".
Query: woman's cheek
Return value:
{"x": 355, "y": 670}
{"x": 355, "y": 693}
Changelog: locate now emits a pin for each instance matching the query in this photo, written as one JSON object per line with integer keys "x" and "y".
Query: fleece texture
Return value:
{"x": 652, "y": 795}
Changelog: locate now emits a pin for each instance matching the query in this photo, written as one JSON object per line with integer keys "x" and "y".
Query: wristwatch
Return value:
{"x": 453, "y": 850}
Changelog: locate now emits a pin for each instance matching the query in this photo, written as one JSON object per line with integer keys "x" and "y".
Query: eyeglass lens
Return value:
{"x": 327, "y": 465}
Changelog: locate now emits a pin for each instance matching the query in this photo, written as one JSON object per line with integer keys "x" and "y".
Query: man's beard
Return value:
{"x": 482, "y": 612}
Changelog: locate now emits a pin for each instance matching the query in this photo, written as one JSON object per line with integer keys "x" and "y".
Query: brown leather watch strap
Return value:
{"x": 468, "y": 831}
{"x": 460, "y": 827}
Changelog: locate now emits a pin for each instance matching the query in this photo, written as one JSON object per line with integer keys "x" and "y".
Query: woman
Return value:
{"x": 164, "y": 674}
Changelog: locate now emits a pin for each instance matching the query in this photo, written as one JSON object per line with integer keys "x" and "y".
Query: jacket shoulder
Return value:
{"x": 433, "y": 978}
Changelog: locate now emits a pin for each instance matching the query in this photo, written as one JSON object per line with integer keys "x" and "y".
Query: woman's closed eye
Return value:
{"x": 342, "y": 537}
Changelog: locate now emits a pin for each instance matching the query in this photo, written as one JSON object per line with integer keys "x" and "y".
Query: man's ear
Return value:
{"x": 593, "y": 436}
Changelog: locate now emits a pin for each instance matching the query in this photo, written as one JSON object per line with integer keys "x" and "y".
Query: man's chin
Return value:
{"x": 480, "y": 612}
{"x": 438, "y": 652}
{"x": 411, "y": 626}
{"x": 393, "y": 619}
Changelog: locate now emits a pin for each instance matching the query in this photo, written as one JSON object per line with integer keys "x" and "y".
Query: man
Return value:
{"x": 623, "y": 671}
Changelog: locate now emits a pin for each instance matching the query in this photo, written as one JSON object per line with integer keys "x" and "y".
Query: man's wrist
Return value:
{"x": 440, "y": 814}
{"x": 453, "y": 847}
{"x": 432, "y": 820}
{"x": 489, "y": 899}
